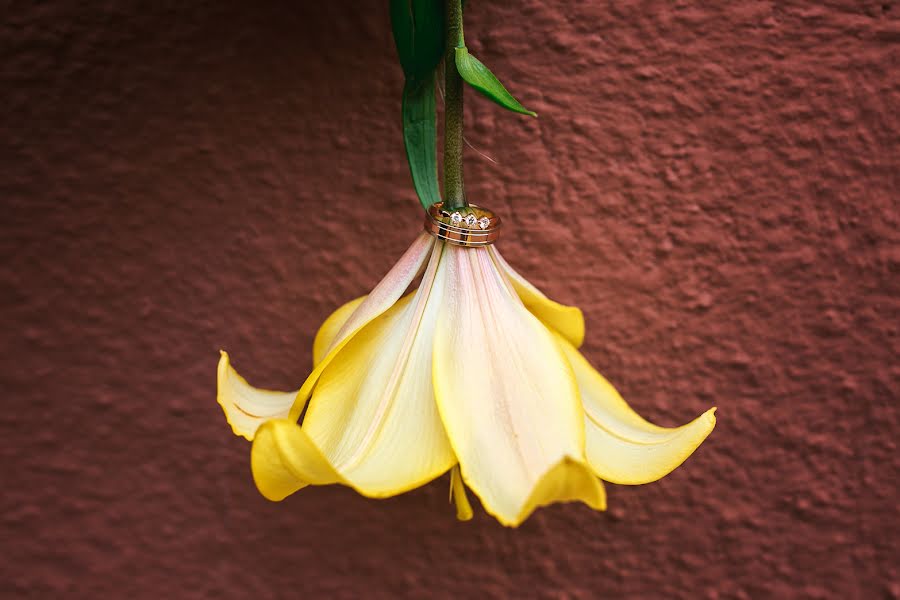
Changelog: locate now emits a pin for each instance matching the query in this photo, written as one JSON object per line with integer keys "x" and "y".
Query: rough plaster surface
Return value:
{"x": 715, "y": 184}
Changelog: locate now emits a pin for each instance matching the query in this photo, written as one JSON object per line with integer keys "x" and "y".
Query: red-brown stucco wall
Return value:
{"x": 715, "y": 184}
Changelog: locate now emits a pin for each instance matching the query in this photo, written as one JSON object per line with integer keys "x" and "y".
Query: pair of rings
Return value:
{"x": 469, "y": 226}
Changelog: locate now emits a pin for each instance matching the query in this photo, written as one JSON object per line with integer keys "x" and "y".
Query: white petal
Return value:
{"x": 506, "y": 395}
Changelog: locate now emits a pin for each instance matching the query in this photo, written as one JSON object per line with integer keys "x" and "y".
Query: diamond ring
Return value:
{"x": 469, "y": 226}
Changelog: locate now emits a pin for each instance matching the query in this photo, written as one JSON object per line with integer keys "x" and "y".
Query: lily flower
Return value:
{"x": 475, "y": 372}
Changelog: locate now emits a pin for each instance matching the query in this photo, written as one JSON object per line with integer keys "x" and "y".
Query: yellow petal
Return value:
{"x": 458, "y": 495}
{"x": 567, "y": 320}
{"x": 381, "y": 298}
{"x": 330, "y": 328}
{"x": 245, "y": 406}
{"x": 506, "y": 395}
{"x": 566, "y": 481}
{"x": 372, "y": 417}
{"x": 284, "y": 459}
{"x": 621, "y": 446}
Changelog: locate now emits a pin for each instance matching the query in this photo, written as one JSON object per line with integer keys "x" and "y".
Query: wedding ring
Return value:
{"x": 468, "y": 226}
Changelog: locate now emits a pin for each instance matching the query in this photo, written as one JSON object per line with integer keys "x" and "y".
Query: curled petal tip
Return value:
{"x": 284, "y": 460}
{"x": 621, "y": 446}
{"x": 568, "y": 480}
{"x": 245, "y": 406}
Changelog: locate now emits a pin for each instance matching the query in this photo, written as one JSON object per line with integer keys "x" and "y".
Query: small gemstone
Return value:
{"x": 471, "y": 220}
{"x": 483, "y": 222}
{"x": 456, "y": 218}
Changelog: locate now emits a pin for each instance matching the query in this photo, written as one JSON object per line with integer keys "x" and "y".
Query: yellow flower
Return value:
{"x": 475, "y": 371}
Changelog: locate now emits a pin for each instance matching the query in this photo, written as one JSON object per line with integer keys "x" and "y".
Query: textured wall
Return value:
{"x": 716, "y": 184}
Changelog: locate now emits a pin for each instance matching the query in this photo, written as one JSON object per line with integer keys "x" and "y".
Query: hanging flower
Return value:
{"x": 476, "y": 371}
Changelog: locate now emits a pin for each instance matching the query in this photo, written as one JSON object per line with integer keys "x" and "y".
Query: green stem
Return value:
{"x": 454, "y": 192}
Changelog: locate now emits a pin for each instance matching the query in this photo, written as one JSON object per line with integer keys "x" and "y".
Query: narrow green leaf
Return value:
{"x": 402, "y": 26}
{"x": 480, "y": 77}
{"x": 420, "y": 137}
{"x": 418, "y": 27}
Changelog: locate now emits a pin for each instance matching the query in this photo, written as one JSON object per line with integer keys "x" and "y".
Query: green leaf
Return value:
{"x": 420, "y": 137}
{"x": 480, "y": 77}
{"x": 419, "y": 35}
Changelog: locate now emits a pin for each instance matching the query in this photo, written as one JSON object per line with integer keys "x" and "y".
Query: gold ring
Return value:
{"x": 469, "y": 226}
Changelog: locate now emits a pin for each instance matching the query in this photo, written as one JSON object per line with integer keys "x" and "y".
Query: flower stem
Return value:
{"x": 454, "y": 192}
